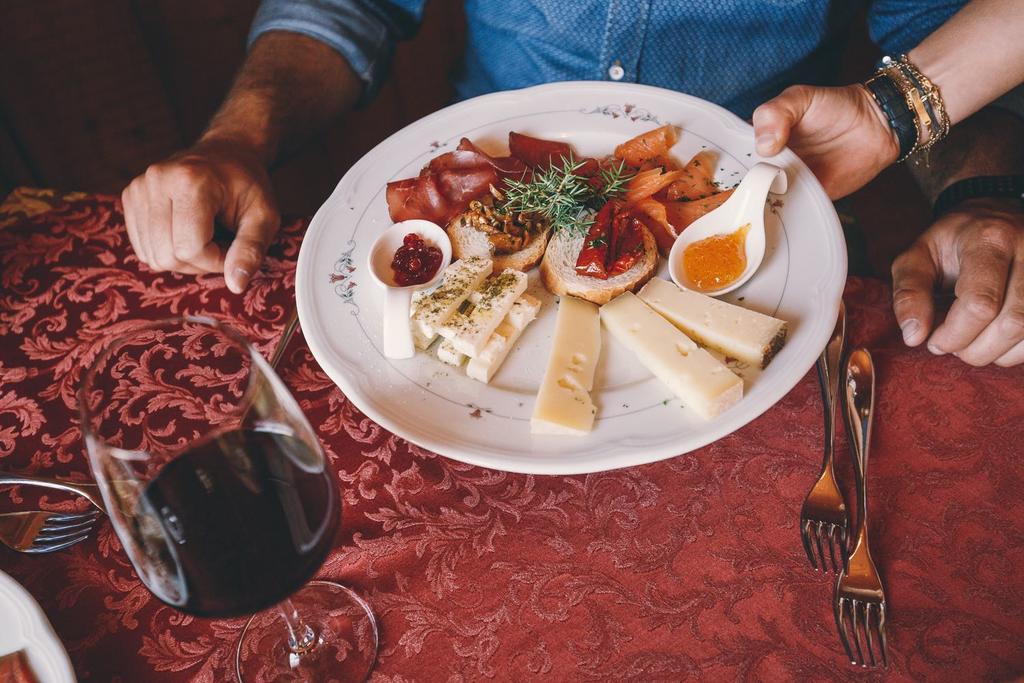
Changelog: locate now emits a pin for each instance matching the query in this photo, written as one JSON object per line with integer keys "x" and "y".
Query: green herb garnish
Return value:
{"x": 562, "y": 196}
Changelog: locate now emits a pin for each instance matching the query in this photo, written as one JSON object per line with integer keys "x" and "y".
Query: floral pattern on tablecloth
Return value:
{"x": 687, "y": 568}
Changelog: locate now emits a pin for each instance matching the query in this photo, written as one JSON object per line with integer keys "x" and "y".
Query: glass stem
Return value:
{"x": 301, "y": 638}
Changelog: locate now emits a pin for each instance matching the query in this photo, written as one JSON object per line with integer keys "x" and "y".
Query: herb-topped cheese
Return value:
{"x": 469, "y": 333}
{"x": 431, "y": 311}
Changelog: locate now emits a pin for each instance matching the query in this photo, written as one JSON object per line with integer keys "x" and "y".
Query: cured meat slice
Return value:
{"x": 647, "y": 146}
{"x": 647, "y": 183}
{"x": 696, "y": 179}
{"x": 537, "y": 153}
{"x": 419, "y": 197}
{"x": 681, "y": 214}
{"x": 653, "y": 215}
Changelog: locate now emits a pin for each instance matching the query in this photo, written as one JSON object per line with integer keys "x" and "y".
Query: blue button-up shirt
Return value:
{"x": 737, "y": 53}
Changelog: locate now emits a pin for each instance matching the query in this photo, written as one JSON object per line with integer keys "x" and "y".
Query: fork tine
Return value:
{"x": 844, "y": 547}
{"x": 805, "y": 531}
{"x": 66, "y": 526}
{"x": 62, "y": 534}
{"x": 822, "y": 565}
{"x": 867, "y": 634}
{"x": 854, "y": 604}
{"x": 881, "y": 635}
{"x": 838, "y": 608}
{"x": 47, "y": 548}
{"x": 832, "y": 547}
{"x": 73, "y": 518}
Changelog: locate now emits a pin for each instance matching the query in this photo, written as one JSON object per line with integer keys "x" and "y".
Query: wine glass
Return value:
{"x": 221, "y": 495}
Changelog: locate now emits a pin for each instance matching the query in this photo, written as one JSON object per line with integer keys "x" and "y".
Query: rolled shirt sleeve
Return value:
{"x": 364, "y": 32}
{"x": 897, "y": 26}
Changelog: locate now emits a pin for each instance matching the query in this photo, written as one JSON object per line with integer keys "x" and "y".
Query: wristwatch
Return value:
{"x": 1002, "y": 186}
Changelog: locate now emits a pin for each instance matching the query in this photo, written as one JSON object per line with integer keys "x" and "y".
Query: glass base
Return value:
{"x": 340, "y": 643}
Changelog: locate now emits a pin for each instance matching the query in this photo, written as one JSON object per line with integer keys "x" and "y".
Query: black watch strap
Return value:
{"x": 1001, "y": 186}
{"x": 894, "y": 105}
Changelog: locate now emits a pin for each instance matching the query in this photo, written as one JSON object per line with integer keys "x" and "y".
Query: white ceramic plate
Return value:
{"x": 23, "y": 626}
{"x": 437, "y": 407}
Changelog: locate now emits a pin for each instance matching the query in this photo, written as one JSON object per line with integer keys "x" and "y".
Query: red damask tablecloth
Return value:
{"x": 687, "y": 568}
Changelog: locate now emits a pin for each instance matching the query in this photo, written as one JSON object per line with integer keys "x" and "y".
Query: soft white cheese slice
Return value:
{"x": 693, "y": 374}
{"x": 483, "y": 367}
{"x": 429, "y": 312}
{"x": 469, "y": 332}
{"x": 563, "y": 403}
{"x": 446, "y": 353}
{"x": 738, "y": 332}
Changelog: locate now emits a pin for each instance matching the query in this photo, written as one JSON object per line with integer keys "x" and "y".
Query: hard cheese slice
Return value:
{"x": 460, "y": 279}
{"x": 469, "y": 333}
{"x": 750, "y": 336}
{"x": 693, "y": 374}
{"x": 563, "y": 403}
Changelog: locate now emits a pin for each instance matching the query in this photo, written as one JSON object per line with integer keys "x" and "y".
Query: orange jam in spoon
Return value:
{"x": 716, "y": 261}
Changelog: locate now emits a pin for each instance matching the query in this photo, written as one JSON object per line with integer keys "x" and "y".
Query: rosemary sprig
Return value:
{"x": 562, "y": 196}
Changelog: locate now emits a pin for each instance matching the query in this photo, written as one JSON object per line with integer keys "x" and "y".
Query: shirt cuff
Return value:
{"x": 362, "y": 40}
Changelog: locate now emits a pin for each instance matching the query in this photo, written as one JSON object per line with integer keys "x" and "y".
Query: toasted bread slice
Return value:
{"x": 558, "y": 270}
{"x": 468, "y": 241}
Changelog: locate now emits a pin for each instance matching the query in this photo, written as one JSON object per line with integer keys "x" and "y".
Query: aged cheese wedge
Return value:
{"x": 563, "y": 403}
{"x": 750, "y": 336}
{"x": 429, "y": 312}
{"x": 469, "y": 332}
{"x": 483, "y": 366}
{"x": 693, "y": 374}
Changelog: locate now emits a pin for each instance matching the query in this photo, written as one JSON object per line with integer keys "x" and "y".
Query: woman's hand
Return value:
{"x": 840, "y": 133}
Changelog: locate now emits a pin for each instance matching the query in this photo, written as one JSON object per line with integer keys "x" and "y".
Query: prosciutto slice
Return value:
{"x": 419, "y": 197}
{"x": 446, "y": 186}
{"x": 538, "y": 153}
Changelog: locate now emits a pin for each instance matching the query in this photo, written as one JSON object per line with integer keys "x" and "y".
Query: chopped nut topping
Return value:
{"x": 507, "y": 232}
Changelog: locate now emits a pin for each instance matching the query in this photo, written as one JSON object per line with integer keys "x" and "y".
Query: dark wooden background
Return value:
{"x": 92, "y": 91}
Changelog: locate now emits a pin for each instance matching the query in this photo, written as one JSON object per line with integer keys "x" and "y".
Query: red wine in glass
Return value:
{"x": 222, "y": 496}
{"x": 247, "y": 524}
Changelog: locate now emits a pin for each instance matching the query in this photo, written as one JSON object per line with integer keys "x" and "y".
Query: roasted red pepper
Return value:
{"x": 594, "y": 254}
{"x": 629, "y": 245}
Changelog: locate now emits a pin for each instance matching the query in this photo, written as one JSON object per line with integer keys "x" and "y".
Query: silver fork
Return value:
{"x": 859, "y": 597}
{"x": 824, "y": 517}
{"x": 90, "y": 492}
{"x": 44, "y": 532}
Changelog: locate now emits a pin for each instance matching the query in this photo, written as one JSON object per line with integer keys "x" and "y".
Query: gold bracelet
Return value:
{"x": 925, "y": 134}
{"x": 931, "y": 96}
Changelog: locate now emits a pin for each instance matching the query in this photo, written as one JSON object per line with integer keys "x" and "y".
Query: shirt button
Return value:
{"x": 615, "y": 71}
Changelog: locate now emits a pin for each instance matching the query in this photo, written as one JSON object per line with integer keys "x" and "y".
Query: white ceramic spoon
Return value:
{"x": 397, "y": 299}
{"x": 746, "y": 205}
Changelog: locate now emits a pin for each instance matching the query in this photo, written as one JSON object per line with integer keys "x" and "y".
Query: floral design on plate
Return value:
{"x": 629, "y": 111}
{"x": 342, "y": 277}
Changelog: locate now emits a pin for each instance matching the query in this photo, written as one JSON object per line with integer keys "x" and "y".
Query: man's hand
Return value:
{"x": 840, "y": 133}
{"x": 979, "y": 246}
{"x": 288, "y": 88}
{"x": 170, "y": 209}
